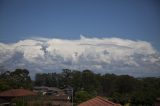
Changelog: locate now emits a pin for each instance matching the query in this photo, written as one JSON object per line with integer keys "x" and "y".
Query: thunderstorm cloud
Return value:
{"x": 105, "y": 55}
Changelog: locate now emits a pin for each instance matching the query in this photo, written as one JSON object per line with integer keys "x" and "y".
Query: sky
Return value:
{"x": 107, "y": 23}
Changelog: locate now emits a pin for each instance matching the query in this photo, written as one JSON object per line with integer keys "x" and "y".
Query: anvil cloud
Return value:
{"x": 105, "y": 55}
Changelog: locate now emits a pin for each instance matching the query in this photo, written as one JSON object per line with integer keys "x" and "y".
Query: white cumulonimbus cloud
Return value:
{"x": 105, "y": 55}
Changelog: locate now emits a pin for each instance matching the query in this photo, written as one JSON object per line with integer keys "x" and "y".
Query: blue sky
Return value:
{"x": 68, "y": 19}
{"x": 130, "y": 30}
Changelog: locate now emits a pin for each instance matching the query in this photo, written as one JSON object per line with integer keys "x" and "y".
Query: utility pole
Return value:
{"x": 72, "y": 96}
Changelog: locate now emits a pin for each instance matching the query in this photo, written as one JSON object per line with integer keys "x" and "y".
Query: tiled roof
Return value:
{"x": 16, "y": 93}
{"x": 98, "y": 101}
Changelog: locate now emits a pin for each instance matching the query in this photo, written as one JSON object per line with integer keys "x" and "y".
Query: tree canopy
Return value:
{"x": 87, "y": 84}
{"x": 122, "y": 89}
{"x": 16, "y": 79}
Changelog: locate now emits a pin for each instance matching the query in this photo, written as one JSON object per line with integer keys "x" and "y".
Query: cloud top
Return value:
{"x": 113, "y": 55}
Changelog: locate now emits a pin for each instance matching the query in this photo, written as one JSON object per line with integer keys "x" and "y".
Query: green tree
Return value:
{"x": 17, "y": 79}
{"x": 20, "y": 78}
{"x": 66, "y": 77}
{"x": 46, "y": 79}
{"x": 125, "y": 84}
{"x": 108, "y": 86}
{"x": 76, "y": 80}
{"x": 81, "y": 96}
{"x": 88, "y": 79}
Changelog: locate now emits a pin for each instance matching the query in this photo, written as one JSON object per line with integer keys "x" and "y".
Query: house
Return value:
{"x": 98, "y": 101}
{"x": 157, "y": 103}
{"x": 51, "y": 96}
{"x": 7, "y": 96}
{"x": 3, "y": 102}
{"x": 17, "y": 93}
{"x": 68, "y": 90}
{"x": 44, "y": 90}
{"x": 31, "y": 98}
{"x": 62, "y": 100}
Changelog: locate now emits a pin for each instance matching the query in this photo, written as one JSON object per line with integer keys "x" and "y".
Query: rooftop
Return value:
{"x": 16, "y": 93}
{"x": 98, "y": 101}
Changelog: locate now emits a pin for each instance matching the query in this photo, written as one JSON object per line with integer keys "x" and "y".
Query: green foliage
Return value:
{"x": 90, "y": 83}
{"x": 44, "y": 79}
{"x": 81, "y": 96}
{"x": 76, "y": 81}
{"x": 17, "y": 79}
{"x": 20, "y": 101}
{"x": 66, "y": 76}
{"x": 124, "y": 84}
{"x": 86, "y": 84}
{"x": 3, "y": 85}
{"x": 122, "y": 89}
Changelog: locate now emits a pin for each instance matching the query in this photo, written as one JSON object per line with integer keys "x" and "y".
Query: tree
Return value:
{"x": 88, "y": 80}
{"x": 86, "y": 84}
{"x": 46, "y": 79}
{"x": 20, "y": 78}
{"x": 67, "y": 77}
{"x": 124, "y": 84}
{"x": 76, "y": 80}
{"x": 108, "y": 86}
{"x": 81, "y": 96}
{"x": 17, "y": 79}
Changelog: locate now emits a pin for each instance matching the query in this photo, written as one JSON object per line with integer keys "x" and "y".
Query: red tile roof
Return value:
{"x": 16, "y": 93}
{"x": 98, "y": 101}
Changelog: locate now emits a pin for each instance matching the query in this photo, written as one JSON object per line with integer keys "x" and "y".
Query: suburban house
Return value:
{"x": 44, "y": 90}
{"x": 7, "y": 97}
{"x": 61, "y": 100}
{"x": 51, "y": 96}
{"x": 157, "y": 103}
